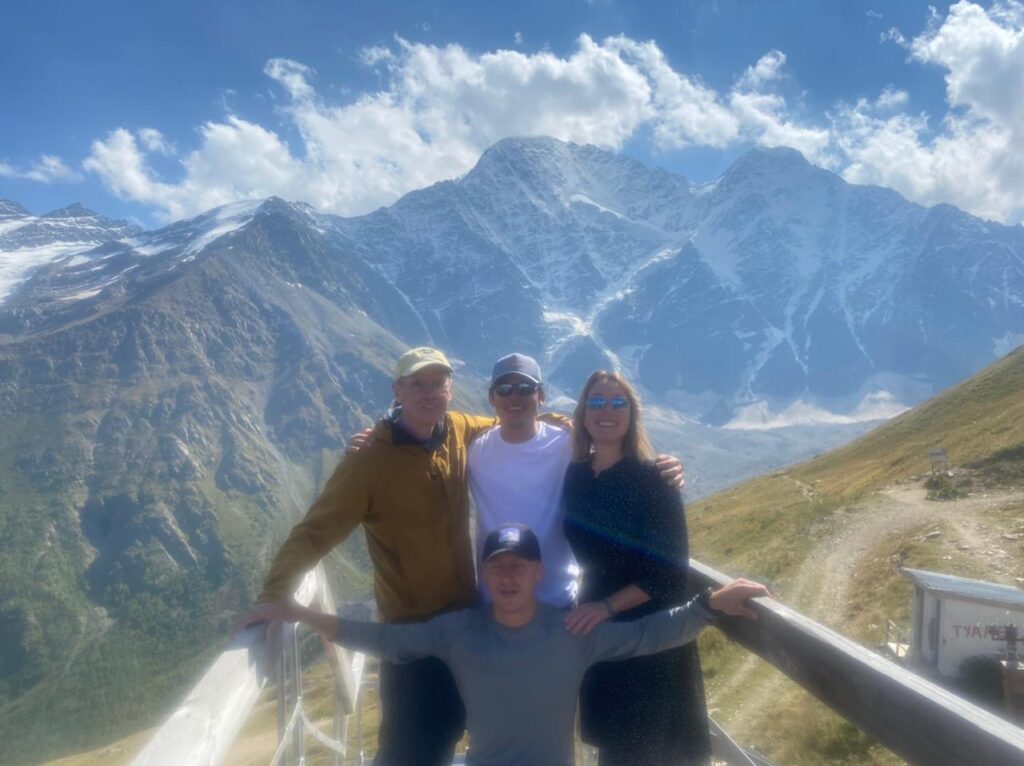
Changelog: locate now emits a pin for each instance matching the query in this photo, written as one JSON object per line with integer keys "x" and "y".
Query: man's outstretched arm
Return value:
{"x": 343, "y": 503}
{"x": 393, "y": 642}
{"x": 671, "y": 628}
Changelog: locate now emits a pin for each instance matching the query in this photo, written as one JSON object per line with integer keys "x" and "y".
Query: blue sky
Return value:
{"x": 159, "y": 110}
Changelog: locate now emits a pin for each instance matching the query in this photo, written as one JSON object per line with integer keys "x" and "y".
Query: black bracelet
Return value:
{"x": 608, "y": 605}
{"x": 704, "y": 599}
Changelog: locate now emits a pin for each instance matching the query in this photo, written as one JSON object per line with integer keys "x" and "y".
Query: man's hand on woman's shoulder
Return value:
{"x": 672, "y": 470}
{"x": 358, "y": 441}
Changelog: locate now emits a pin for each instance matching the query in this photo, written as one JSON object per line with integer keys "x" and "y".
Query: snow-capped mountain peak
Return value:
{"x": 778, "y": 283}
{"x": 74, "y": 210}
{"x": 11, "y": 209}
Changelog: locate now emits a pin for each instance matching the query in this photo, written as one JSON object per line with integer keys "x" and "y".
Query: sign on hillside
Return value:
{"x": 940, "y": 461}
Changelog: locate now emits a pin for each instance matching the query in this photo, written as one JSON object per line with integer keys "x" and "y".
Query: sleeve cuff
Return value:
{"x": 359, "y": 635}
{"x": 703, "y": 602}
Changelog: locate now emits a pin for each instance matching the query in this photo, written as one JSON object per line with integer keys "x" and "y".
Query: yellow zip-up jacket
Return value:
{"x": 413, "y": 504}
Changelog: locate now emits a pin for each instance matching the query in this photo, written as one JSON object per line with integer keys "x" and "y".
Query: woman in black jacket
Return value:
{"x": 628, "y": 533}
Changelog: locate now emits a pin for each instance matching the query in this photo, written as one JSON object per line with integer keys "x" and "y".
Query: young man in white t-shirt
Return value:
{"x": 517, "y": 470}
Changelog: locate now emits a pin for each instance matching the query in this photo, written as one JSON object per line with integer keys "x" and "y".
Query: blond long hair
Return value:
{"x": 634, "y": 444}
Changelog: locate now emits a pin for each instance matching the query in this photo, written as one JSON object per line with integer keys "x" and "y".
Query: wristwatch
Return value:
{"x": 704, "y": 599}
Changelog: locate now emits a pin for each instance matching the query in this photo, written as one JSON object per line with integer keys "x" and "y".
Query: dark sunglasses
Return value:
{"x": 599, "y": 402}
{"x": 507, "y": 389}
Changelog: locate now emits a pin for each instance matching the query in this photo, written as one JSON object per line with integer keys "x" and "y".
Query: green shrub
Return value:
{"x": 940, "y": 487}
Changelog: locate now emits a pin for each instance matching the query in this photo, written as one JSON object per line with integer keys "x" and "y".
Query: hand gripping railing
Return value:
{"x": 201, "y": 731}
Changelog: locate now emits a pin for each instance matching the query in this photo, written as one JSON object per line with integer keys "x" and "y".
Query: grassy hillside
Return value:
{"x": 776, "y": 527}
{"x": 763, "y": 525}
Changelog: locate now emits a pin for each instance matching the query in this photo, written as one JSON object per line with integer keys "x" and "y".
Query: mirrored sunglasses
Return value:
{"x": 524, "y": 389}
{"x": 600, "y": 402}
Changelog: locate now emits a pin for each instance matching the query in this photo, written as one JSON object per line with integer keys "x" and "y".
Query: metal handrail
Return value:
{"x": 202, "y": 729}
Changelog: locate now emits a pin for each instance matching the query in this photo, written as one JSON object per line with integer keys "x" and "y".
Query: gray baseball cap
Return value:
{"x": 520, "y": 364}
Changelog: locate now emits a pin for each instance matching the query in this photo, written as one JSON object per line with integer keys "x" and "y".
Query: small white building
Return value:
{"x": 951, "y": 619}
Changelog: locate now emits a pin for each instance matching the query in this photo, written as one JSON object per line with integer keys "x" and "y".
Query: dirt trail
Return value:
{"x": 847, "y": 537}
{"x": 821, "y": 589}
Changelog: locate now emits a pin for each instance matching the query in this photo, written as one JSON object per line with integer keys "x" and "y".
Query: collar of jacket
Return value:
{"x": 388, "y": 429}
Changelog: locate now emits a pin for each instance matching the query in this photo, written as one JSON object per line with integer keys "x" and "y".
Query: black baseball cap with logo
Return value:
{"x": 512, "y": 538}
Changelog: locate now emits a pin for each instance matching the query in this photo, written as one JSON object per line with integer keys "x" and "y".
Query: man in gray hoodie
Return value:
{"x": 517, "y": 667}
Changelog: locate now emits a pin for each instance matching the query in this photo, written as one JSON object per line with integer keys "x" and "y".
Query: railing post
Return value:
{"x": 279, "y": 648}
{"x": 298, "y": 735}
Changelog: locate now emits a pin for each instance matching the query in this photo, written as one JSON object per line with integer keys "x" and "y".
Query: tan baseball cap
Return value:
{"x": 415, "y": 359}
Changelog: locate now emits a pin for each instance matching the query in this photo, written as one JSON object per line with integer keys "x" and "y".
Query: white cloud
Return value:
{"x": 767, "y": 69}
{"x": 983, "y": 55}
{"x": 154, "y": 141}
{"x": 292, "y": 75}
{"x": 374, "y": 55}
{"x": 973, "y": 157}
{"x": 47, "y": 169}
{"x": 890, "y": 98}
{"x": 236, "y": 160}
{"x": 682, "y": 110}
{"x": 766, "y": 117}
{"x": 439, "y": 107}
{"x": 893, "y": 35}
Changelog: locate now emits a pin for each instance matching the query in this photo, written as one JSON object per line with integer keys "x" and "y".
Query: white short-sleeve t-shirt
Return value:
{"x": 522, "y": 483}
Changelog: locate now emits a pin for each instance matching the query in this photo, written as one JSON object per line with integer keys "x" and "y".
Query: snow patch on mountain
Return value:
{"x": 191, "y": 237}
{"x": 17, "y": 265}
{"x": 583, "y": 199}
{"x": 759, "y": 416}
{"x": 29, "y": 242}
{"x": 7, "y": 226}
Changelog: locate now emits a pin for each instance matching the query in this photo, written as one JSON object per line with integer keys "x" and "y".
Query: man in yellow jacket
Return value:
{"x": 408, "y": 489}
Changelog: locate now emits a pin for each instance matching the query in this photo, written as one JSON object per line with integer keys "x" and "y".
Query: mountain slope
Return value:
{"x": 160, "y": 436}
